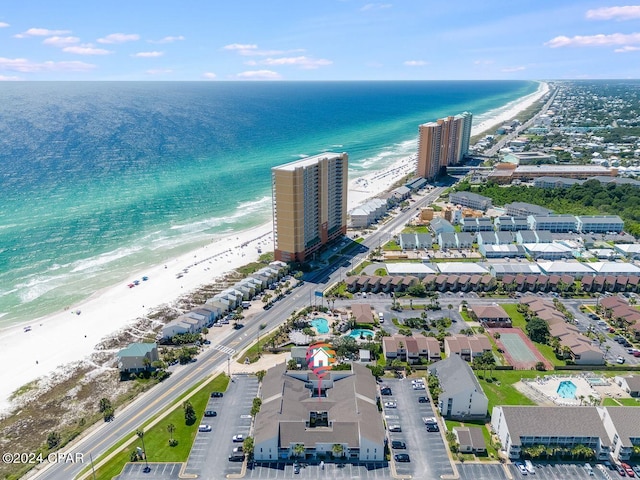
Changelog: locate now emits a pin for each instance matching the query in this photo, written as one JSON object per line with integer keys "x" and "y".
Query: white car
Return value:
{"x": 238, "y": 438}
{"x": 204, "y": 428}
{"x": 418, "y": 386}
{"x": 390, "y": 405}
{"x": 521, "y": 468}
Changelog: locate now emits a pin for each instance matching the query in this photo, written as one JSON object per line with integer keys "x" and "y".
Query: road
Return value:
{"x": 157, "y": 400}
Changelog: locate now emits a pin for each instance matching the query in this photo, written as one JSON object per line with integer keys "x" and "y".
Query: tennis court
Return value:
{"x": 519, "y": 351}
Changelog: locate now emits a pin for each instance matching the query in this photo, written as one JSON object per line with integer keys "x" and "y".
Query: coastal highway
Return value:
{"x": 101, "y": 437}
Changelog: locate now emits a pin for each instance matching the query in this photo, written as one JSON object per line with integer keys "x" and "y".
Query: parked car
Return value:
{"x": 390, "y": 405}
{"x": 401, "y": 457}
{"x": 395, "y": 428}
{"x": 433, "y": 427}
{"x": 204, "y": 428}
{"x": 210, "y": 413}
{"x": 238, "y": 438}
{"x": 386, "y": 391}
{"x": 216, "y": 394}
{"x": 521, "y": 468}
{"x": 620, "y": 360}
{"x": 423, "y": 399}
{"x": 398, "y": 445}
{"x": 620, "y": 470}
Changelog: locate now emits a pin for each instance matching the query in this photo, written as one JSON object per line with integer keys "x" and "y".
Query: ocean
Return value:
{"x": 99, "y": 179}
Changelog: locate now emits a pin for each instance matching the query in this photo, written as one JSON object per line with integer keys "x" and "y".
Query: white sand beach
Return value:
{"x": 55, "y": 342}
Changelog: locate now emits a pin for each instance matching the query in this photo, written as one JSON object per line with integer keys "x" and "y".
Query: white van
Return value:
{"x": 529, "y": 466}
{"x": 381, "y": 316}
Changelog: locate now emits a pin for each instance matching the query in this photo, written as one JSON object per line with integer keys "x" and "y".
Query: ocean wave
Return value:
{"x": 38, "y": 286}
{"x": 96, "y": 263}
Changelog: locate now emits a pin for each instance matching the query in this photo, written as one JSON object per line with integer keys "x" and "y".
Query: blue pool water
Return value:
{"x": 358, "y": 332}
{"x": 321, "y": 325}
{"x": 567, "y": 389}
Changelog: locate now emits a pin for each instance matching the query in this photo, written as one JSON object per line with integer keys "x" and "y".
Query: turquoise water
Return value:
{"x": 567, "y": 389}
{"x": 99, "y": 179}
{"x": 360, "y": 332}
{"x": 320, "y": 324}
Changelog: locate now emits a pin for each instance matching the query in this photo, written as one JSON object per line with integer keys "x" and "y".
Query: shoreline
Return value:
{"x": 58, "y": 342}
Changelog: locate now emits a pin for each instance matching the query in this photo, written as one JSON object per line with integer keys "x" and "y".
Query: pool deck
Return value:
{"x": 545, "y": 389}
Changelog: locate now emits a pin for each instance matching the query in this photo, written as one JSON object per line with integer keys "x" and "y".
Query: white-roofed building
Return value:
{"x": 615, "y": 268}
{"x": 575, "y": 269}
{"x": 629, "y": 250}
{"x": 499, "y": 270}
{"x": 419, "y": 270}
{"x": 547, "y": 251}
{"x": 502, "y": 251}
{"x": 461, "y": 268}
{"x": 368, "y": 213}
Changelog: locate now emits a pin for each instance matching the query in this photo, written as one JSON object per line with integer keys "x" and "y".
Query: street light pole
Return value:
{"x": 229, "y": 366}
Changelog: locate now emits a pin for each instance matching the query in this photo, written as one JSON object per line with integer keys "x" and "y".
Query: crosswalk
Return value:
{"x": 224, "y": 349}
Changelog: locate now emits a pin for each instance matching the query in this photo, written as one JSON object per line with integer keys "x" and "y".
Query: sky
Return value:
{"x": 297, "y": 40}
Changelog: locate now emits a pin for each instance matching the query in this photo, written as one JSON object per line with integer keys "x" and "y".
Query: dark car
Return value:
{"x": 423, "y": 400}
{"x": 401, "y": 457}
{"x": 210, "y": 413}
{"x": 433, "y": 428}
{"x": 398, "y": 445}
{"x": 216, "y": 394}
{"x": 620, "y": 470}
{"x": 386, "y": 391}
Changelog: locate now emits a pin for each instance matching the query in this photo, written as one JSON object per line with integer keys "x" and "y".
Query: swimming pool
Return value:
{"x": 359, "y": 332}
{"x": 597, "y": 382}
{"x": 567, "y": 389}
{"x": 320, "y": 324}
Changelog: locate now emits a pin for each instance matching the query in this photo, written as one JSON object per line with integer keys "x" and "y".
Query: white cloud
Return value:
{"x": 599, "y": 40}
{"x": 147, "y": 54}
{"x": 252, "y": 50}
{"x": 626, "y": 49}
{"x": 209, "y": 76}
{"x": 119, "y": 38}
{"x": 27, "y": 66}
{"x": 375, "y": 6}
{"x": 4, "y": 25}
{"x": 513, "y": 69}
{"x": 158, "y": 71}
{"x": 259, "y": 75}
{"x": 9, "y": 78}
{"x": 415, "y": 63}
{"x": 483, "y": 62}
{"x": 41, "y": 32}
{"x": 628, "y": 12}
{"x": 168, "y": 39}
{"x": 57, "y": 41}
{"x": 302, "y": 62}
{"x": 86, "y": 49}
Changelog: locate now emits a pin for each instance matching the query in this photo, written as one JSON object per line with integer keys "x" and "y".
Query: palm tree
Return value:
{"x": 171, "y": 428}
{"x": 450, "y": 307}
{"x": 337, "y": 450}
{"x": 299, "y": 450}
{"x": 140, "y": 434}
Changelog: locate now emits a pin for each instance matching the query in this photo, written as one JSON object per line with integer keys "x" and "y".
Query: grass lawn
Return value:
{"x": 254, "y": 351}
{"x": 500, "y": 391}
{"x": 517, "y": 319}
{"x": 416, "y": 229}
{"x": 492, "y": 453}
{"x": 610, "y": 402}
{"x": 156, "y": 438}
{"x": 629, "y": 402}
{"x": 392, "y": 245}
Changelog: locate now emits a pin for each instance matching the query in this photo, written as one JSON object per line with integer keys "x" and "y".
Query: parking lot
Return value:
{"x": 209, "y": 457}
{"x": 560, "y": 471}
{"x": 426, "y": 450}
{"x": 159, "y": 471}
{"x": 477, "y": 471}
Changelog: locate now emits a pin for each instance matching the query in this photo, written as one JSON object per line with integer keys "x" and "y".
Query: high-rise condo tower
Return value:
{"x": 443, "y": 143}
{"x": 309, "y": 205}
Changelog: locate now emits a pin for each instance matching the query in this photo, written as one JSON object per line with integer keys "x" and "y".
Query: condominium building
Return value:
{"x": 309, "y": 205}
{"x": 443, "y": 143}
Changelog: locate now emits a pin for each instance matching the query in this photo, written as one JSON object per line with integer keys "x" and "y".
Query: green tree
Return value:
{"x": 538, "y": 330}
{"x": 255, "y": 408}
{"x": 337, "y": 450}
{"x": 189, "y": 413}
{"x": 417, "y": 290}
{"x": 53, "y": 440}
{"x": 248, "y": 446}
{"x": 172, "y": 441}
{"x": 260, "y": 374}
{"x": 299, "y": 450}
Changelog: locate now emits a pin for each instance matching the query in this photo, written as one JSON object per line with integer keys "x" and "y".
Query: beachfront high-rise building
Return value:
{"x": 443, "y": 143}
{"x": 309, "y": 205}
